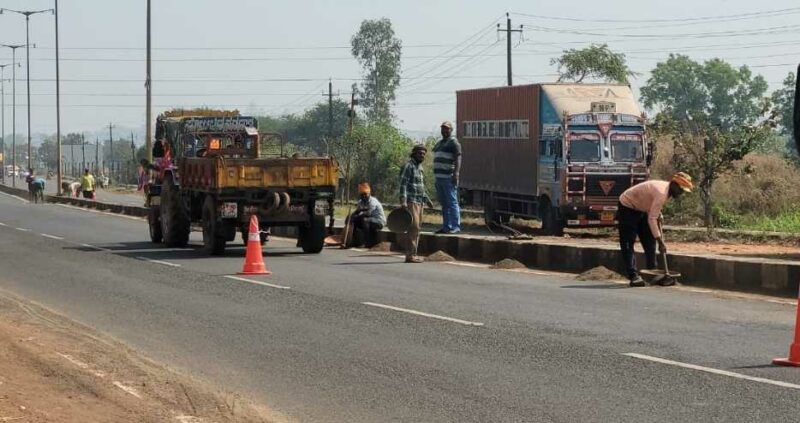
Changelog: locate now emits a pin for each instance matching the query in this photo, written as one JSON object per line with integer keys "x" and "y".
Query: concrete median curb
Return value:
{"x": 745, "y": 274}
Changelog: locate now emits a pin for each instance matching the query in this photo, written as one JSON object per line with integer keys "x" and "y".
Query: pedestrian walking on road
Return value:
{"x": 368, "y": 219}
{"x": 639, "y": 215}
{"x": 413, "y": 197}
{"x": 446, "y": 169}
{"x": 87, "y": 184}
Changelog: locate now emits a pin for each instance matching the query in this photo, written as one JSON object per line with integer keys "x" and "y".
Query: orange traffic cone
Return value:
{"x": 253, "y": 261}
{"x": 794, "y": 349}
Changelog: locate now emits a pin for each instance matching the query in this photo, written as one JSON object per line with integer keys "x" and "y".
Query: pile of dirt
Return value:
{"x": 599, "y": 273}
{"x": 383, "y": 247}
{"x": 508, "y": 264}
{"x": 440, "y": 256}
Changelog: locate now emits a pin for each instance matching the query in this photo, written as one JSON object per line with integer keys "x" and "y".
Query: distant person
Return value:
{"x": 37, "y": 189}
{"x": 447, "y": 168}
{"x": 413, "y": 198}
{"x": 87, "y": 184}
{"x": 639, "y": 213}
{"x": 368, "y": 219}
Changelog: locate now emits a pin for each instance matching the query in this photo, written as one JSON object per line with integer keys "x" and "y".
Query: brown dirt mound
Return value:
{"x": 439, "y": 256}
{"x": 382, "y": 247}
{"x": 508, "y": 264}
{"x": 599, "y": 273}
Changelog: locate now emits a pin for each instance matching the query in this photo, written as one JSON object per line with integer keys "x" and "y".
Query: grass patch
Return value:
{"x": 785, "y": 222}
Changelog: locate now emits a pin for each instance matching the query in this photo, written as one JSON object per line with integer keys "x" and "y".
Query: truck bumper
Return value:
{"x": 589, "y": 215}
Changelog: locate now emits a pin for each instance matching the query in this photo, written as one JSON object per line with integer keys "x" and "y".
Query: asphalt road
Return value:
{"x": 339, "y": 337}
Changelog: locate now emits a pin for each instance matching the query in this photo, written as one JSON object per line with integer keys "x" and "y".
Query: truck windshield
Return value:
{"x": 627, "y": 150}
{"x": 584, "y": 149}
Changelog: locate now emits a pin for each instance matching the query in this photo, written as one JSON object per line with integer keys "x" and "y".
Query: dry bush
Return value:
{"x": 760, "y": 185}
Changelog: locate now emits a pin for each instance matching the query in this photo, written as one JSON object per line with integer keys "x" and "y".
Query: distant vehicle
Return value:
{"x": 215, "y": 171}
{"x": 561, "y": 153}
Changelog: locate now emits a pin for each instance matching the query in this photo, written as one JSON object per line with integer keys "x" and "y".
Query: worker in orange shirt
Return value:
{"x": 638, "y": 215}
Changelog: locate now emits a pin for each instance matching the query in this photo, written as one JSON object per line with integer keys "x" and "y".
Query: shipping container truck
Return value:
{"x": 561, "y": 153}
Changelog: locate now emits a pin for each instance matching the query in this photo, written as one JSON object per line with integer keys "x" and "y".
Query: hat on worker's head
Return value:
{"x": 419, "y": 147}
{"x": 447, "y": 124}
{"x": 683, "y": 180}
{"x": 364, "y": 188}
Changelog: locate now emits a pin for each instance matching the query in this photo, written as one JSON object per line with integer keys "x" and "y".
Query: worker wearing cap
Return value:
{"x": 639, "y": 213}
{"x": 413, "y": 197}
{"x": 446, "y": 169}
{"x": 368, "y": 218}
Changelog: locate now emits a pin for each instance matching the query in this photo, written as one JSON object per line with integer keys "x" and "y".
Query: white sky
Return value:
{"x": 229, "y": 46}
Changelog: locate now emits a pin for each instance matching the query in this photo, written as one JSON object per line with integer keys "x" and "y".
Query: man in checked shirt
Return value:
{"x": 413, "y": 198}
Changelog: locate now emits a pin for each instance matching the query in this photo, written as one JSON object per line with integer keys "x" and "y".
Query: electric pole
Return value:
{"x": 330, "y": 108}
{"x": 97, "y": 156}
{"x": 111, "y": 146}
{"x": 148, "y": 83}
{"x": 13, "y": 48}
{"x": 83, "y": 150}
{"x": 3, "y": 119}
{"x": 508, "y": 32}
{"x": 27, "y": 15}
{"x": 59, "y": 178}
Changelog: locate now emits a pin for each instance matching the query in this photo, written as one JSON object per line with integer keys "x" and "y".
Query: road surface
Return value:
{"x": 132, "y": 199}
{"x": 350, "y": 336}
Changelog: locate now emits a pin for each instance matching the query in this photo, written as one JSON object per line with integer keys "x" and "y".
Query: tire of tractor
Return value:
{"x": 213, "y": 237}
{"x": 550, "y": 224}
{"x": 312, "y": 238}
{"x": 154, "y": 223}
{"x": 175, "y": 223}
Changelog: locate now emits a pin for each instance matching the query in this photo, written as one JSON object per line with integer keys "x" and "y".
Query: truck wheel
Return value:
{"x": 550, "y": 224}
{"x": 213, "y": 241}
{"x": 312, "y": 238}
{"x": 175, "y": 224}
{"x": 154, "y": 222}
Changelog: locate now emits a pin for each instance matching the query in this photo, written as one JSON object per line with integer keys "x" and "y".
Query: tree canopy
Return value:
{"x": 594, "y": 62}
{"x": 378, "y": 52}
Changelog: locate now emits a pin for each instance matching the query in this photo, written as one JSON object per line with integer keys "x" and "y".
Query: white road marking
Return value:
{"x": 3, "y": 224}
{"x": 270, "y": 285}
{"x": 23, "y": 229}
{"x": 127, "y": 389}
{"x": 422, "y": 313}
{"x": 124, "y": 216}
{"x": 713, "y": 370}
{"x": 165, "y": 263}
{"x": 52, "y": 236}
{"x": 14, "y": 196}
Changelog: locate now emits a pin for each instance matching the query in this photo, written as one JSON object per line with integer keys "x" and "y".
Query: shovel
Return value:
{"x": 663, "y": 277}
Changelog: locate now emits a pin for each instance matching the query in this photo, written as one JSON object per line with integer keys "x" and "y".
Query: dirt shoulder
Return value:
{"x": 55, "y": 370}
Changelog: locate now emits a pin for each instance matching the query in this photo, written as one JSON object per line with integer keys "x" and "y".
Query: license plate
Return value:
{"x": 321, "y": 207}
{"x": 229, "y": 210}
{"x": 607, "y": 216}
{"x": 298, "y": 209}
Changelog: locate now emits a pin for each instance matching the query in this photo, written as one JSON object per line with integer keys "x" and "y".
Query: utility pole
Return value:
{"x": 330, "y": 108}
{"x": 97, "y": 156}
{"x": 351, "y": 114}
{"x": 111, "y": 146}
{"x": 59, "y": 178}
{"x": 508, "y": 32}
{"x": 3, "y": 119}
{"x": 13, "y": 48}
{"x": 83, "y": 150}
{"x": 27, "y": 15}
{"x": 148, "y": 83}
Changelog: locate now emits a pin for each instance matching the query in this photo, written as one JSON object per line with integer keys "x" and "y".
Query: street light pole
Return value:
{"x": 58, "y": 109}
{"x": 27, "y": 15}
{"x": 3, "y": 118}
{"x": 13, "y": 48}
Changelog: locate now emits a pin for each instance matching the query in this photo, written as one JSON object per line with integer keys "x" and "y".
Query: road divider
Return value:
{"x": 744, "y": 274}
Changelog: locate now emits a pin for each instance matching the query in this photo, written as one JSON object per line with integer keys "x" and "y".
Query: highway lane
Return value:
{"x": 549, "y": 348}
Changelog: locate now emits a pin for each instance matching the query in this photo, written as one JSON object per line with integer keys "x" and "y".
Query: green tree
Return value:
{"x": 378, "y": 52}
{"x": 595, "y": 62}
{"x": 783, "y": 103}
{"x": 713, "y": 113}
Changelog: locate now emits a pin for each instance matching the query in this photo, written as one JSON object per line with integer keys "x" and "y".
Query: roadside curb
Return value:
{"x": 751, "y": 275}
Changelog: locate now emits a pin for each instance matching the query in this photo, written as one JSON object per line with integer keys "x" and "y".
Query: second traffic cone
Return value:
{"x": 253, "y": 260}
{"x": 794, "y": 349}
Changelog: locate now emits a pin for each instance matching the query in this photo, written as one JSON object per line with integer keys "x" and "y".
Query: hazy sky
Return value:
{"x": 277, "y": 56}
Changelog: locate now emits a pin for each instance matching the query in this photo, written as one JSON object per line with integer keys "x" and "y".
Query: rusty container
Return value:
{"x": 495, "y": 159}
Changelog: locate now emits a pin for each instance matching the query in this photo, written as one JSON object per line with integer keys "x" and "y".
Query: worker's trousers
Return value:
{"x": 412, "y": 236}
{"x": 633, "y": 223}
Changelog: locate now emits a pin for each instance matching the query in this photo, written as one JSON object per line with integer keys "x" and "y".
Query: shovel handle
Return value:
{"x": 663, "y": 253}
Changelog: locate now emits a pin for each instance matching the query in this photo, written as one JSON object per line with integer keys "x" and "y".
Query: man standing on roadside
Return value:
{"x": 87, "y": 184}
{"x": 639, "y": 213}
{"x": 446, "y": 168}
{"x": 413, "y": 197}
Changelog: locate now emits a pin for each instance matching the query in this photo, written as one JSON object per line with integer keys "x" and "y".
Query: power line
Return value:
{"x": 700, "y": 18}
{"x": 732, "y": 33}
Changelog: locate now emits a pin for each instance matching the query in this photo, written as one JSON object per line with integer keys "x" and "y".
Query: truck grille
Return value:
{"x": 614, "y": 184}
